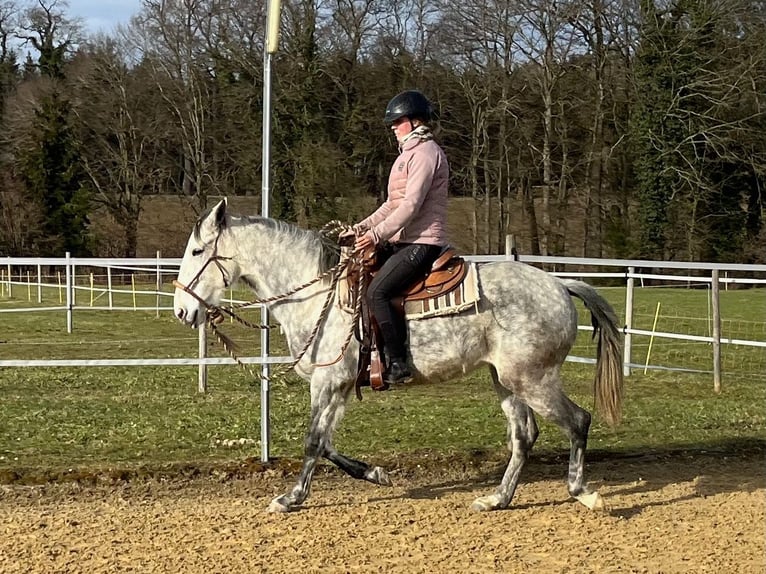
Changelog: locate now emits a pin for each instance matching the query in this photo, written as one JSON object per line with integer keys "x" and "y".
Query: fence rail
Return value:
{"x": 65, "y": 280}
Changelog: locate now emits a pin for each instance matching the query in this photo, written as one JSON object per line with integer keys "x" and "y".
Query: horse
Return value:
{"x": 522, "y": 328}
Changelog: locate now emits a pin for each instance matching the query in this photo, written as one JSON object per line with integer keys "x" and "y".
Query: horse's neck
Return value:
{"x": 274, "y": 263}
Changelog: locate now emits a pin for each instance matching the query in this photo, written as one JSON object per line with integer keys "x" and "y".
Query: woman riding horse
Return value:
{"x": 409, "y": 229}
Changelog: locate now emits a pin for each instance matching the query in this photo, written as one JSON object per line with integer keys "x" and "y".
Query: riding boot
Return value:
{"x": 398, "y": 372}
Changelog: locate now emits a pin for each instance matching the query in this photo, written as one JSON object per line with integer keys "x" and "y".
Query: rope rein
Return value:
{"x": 216, "y": 314}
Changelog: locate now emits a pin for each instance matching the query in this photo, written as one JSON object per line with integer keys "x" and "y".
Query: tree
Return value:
{"x": 48, "y": 155}
{"x": 699, "y": 76}
{"x": 118, "y": 124}
{"x": 547, "y": 40}
{"x": 51, "y": 33}
{"x": 9, "y": 67}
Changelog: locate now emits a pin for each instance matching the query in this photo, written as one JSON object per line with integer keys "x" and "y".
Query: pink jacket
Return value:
{"x": 416, "y": 208}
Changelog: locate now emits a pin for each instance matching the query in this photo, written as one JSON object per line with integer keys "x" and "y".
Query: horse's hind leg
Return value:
{"x": 555, "y": 406}
{"x": 358, "y": 469}
{"x": 522, "y": 434}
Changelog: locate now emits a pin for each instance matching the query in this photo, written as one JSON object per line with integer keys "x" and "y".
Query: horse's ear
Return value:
{"x": 210, "y": 224}
{"x": 219, "y": 212}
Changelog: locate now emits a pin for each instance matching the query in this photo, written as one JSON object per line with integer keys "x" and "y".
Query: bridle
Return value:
{"x": 215, "y": 259}
{"x": 215, "y": 313}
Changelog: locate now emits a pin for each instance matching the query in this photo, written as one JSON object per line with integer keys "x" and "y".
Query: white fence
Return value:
{"x": 104, "y": 279}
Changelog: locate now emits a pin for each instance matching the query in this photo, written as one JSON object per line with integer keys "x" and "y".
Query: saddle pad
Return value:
{"x": 464, "y": 296}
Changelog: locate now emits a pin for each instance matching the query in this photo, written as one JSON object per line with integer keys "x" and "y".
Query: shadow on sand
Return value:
{"x": 714, "y": 468}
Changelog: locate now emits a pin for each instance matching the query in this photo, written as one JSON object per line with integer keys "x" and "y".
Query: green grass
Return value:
{"x": 116, "y": 417}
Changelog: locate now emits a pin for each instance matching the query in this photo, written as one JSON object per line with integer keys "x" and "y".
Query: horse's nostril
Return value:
{"x": 180, "y": 314}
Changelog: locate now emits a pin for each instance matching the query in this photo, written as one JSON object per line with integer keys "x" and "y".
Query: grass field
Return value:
{"x": 53, "y": 420}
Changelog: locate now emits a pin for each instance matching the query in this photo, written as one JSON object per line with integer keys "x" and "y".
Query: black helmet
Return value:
{"x": 412, "y": 104}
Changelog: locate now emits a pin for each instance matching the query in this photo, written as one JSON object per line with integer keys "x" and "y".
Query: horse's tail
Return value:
{"x": 608, "y": 384}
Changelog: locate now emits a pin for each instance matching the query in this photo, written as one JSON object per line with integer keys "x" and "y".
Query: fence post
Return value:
{"x": 510, "y": 247}
{"x": 109, "y": 286}
{"x": 715, "y": 292}
{"x": 627, "y": 351}
{"x": 202, "y": 371}
{"x": 39, "y": 283}
{"x": 10, "y": 282}
{"x": 159, "y": 283}
{"x": 69, "y": 272}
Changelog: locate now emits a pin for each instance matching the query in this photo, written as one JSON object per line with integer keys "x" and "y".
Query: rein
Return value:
{"x": 215, "y": 313}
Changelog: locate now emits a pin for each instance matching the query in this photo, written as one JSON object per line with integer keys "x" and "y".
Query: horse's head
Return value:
{"x": 204, "y": 272}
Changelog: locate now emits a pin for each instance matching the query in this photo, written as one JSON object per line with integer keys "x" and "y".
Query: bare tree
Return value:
{"x": 476, "y": 40}
{"x": 51, "y": 32}
{"x": 172, "y": 36}
{"x": 119, "y": 127}
{"x": 547, "y": 42}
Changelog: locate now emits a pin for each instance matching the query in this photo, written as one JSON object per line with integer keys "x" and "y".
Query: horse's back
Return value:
{"x": 518, "y": 288}
{"x": 525, "y": 316}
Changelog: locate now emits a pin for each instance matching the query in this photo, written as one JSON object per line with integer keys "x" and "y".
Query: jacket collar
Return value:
{"x": 410, "y": 143}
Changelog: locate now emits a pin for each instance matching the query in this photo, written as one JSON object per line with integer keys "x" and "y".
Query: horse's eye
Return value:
{"x": 196, "y": 252}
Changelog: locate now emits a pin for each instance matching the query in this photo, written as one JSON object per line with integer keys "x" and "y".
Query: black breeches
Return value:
{"x": 407, "y": 262}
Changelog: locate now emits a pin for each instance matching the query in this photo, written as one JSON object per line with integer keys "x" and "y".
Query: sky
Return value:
{"x": 103, "y": 15}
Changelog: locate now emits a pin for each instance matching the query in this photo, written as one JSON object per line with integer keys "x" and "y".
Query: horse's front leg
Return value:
{"x": 328, "y": 402}
{"x": 312, "y": 451}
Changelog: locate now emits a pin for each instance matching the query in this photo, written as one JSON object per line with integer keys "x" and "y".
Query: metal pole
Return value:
{"x": 628, "y": 322}
{"x": 39, "y": 283}
{"x": 265, "y": 191}
{"x": 715, "y": 291}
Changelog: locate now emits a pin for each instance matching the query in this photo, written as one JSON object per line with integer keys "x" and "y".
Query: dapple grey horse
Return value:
{"x": 522, "y": 328}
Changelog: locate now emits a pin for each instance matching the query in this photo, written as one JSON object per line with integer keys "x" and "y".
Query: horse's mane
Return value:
{"x": 328, "y": 251}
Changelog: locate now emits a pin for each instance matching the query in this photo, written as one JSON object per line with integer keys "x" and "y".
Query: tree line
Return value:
{"x": 621, "y": 128}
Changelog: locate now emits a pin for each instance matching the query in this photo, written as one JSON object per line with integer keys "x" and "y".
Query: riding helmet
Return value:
{"x": 410, "y": 103}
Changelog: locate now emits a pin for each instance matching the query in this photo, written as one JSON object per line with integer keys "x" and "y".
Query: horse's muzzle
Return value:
{"x": 187, "y": 318}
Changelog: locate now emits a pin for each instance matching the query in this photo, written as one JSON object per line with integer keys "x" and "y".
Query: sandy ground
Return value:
{"x": 681, "y": 513}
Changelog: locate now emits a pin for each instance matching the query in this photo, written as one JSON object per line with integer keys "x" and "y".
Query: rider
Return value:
{"x": 411, "y": 224}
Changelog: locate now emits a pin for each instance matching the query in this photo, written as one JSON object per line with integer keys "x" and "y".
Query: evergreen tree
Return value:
{"x": 9, "y": 74}
{"x": 50, "y": 167}
{"x": 655, "y": 132}
{"x": 692, "y": 126}
{"x": 54, "y": 178}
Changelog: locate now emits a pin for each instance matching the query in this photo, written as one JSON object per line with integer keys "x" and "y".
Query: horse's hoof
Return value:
{"x": 279, "y": 504}
{"x": 379, "y": 476}
{"x": 592, "y": 500}
{"x": 486, "y": 503}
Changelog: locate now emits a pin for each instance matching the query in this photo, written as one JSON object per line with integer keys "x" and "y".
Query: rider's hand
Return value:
{"x": 364, "y": 241}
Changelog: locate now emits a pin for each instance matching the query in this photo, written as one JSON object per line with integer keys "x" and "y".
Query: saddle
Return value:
{"x": 446, "y": 274}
